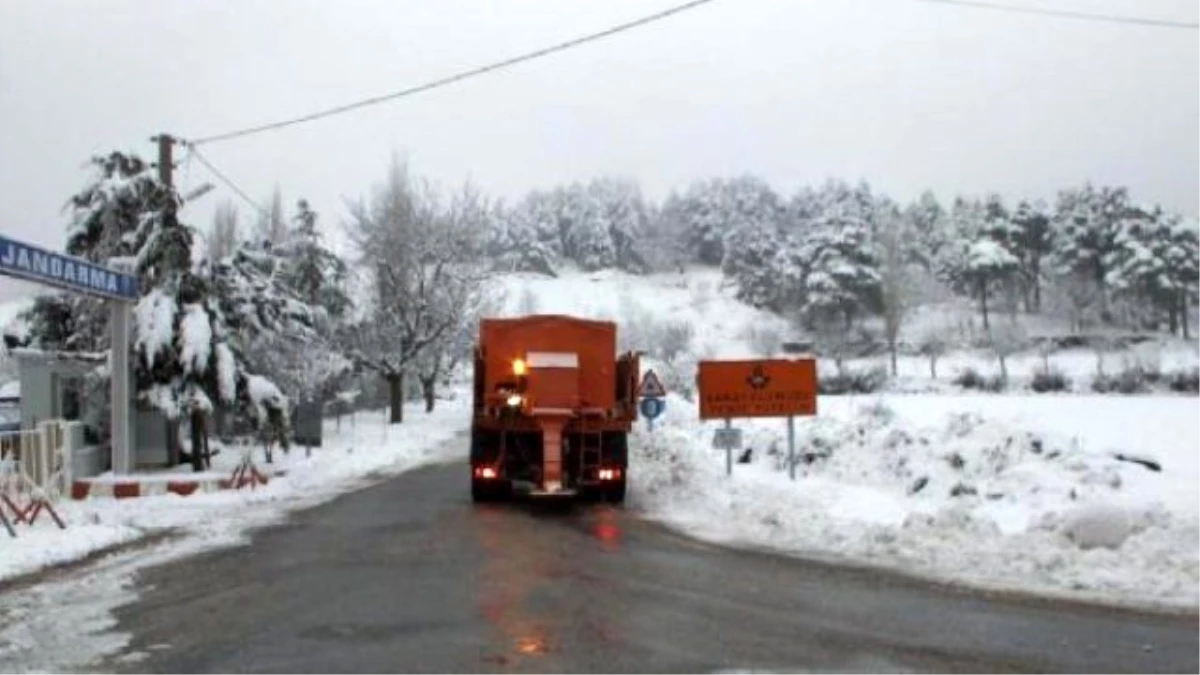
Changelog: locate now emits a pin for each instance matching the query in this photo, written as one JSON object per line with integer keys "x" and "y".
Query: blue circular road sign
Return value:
{"x": 652, "y": 407}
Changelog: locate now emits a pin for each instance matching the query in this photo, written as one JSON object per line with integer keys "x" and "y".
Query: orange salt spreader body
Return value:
{"x": 554, "y": 404}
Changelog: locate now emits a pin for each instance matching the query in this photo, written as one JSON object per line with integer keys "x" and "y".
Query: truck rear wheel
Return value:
{"x": 485, "y": 491}
{"x": 615, "y": 493}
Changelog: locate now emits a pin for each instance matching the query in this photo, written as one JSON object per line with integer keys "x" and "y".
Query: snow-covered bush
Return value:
{"x": 1129, "y": 381}
{"x": 672, "y": 338}
{"x": 1049, "y": 379}
{"x": 850, "y": 381}
{"x": 969, "y": 378}
{"x": 1185, "y": 380}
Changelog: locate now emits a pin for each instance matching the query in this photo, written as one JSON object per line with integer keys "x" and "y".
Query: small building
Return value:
{"x": 10, "y": 406}
{"x": 64, "y": 385}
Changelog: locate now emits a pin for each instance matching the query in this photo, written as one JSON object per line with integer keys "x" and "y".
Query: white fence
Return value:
{"x": 37, "y": 461}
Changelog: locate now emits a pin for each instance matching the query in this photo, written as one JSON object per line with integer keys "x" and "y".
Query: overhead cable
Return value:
{"x": 499, "y": 65}
{"x": 1069, "y": 14}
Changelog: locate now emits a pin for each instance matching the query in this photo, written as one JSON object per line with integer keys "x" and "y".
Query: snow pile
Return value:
{"x": 365, "y": 449}
{"x": 968, "y": 498}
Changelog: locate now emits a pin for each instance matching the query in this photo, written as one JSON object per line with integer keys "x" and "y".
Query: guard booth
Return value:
{"x": 52, "y": 382}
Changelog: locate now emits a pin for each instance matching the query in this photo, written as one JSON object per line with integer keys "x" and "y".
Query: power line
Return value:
{"x": 1069, "y": 14}
{"x": 499, "y": 65}
{"x": 192, "y": 151}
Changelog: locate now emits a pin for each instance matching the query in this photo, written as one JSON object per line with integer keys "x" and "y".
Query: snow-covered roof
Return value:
{"x": 50, "y": 354}
{"x": 10, "y": 390}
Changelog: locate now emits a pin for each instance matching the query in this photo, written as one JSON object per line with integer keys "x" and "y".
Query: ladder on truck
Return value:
{"x": 590, "y": 445}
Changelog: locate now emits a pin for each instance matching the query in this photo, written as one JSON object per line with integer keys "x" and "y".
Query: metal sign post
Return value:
{"x": 729, "y": 439}
{"x": 115, "y": 283}
{"x": 121, "y": 435}
{"x": 728, "y": 450}
{"x": 792, "y": 447}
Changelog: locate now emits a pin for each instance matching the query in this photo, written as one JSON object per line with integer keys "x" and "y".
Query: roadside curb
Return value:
{"x": 150, "y": 486}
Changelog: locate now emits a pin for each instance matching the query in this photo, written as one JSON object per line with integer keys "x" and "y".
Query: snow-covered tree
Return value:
{"x": 183, "y": 359}
{"x": 621, "y": 206}
{"x": 1087, "y": 223}
{"x": 1032, "y": 241}
{"x": 425, "y": 259}
{"x": 524, "y": 238}
{"x": 315, "y": 273}
{"x": 710, "y": 211}
{"x": 928, "y": 222}
{"x": 897, "y": 278}
{"x": 1154, "y": 266}
{"x": 841, "y": 282}
{"x": 226, "y": 234}
{"x": 984, "y": 268}
{"x": 589, "y": 241}
{"x": 750, "y": 261}
{"x": 272, "y": 223}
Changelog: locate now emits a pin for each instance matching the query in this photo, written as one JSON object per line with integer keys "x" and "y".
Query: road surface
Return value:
{"x": 409, "y": 576}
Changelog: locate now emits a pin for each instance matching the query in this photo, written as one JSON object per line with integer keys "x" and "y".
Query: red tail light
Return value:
{"x": 610, "y": 474}
{"x": 485, "y": 472}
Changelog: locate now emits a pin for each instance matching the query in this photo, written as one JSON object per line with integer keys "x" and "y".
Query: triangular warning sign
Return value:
{"x": 651, "y": 386}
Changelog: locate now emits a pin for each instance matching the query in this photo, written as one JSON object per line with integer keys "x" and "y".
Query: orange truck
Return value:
{"x": 554, "y": 404}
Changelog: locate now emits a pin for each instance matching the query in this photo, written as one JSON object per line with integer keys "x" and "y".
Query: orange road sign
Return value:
{"x": 763, "y": 388}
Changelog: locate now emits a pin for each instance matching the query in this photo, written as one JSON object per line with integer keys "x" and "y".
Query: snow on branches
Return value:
{"x": 425, "y": 256}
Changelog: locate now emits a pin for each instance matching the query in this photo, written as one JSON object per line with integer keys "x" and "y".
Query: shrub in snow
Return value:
{"x": 1185, "y": 380}
{"x": 1050, "y": 379}
{"x": 969, "y": 378}
{"x": 1128, "y": 381}
{"x": 672, "y": 339}
{"x": 679, "y": 376}
{"x": 850, "y": 381}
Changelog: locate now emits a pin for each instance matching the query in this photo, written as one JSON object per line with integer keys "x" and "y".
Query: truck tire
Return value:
{"x": 615, "y": 493}
{"x": 479, "y": 492}
{"x": 490, "y": 491}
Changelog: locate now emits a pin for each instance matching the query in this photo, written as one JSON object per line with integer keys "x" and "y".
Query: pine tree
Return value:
{"x": 1087, "y": 224}
{"x": 316, "y": 274}
{"x": 183, "y": 362}
{"x": 842, "y": 281}
{"x": 928, "y": 222}
{"x": 1033, "y": 243}
{"x": 272, "y": 223}
{"x": 520, "y": 241}
{"x": 1155, "y": 266}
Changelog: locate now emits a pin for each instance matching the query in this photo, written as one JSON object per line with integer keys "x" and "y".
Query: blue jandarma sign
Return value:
{"x": 28, "y": 262}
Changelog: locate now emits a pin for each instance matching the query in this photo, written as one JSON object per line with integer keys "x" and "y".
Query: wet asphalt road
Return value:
{"x": 409, "y": 576}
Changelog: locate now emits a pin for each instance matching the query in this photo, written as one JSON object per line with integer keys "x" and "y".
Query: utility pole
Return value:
{"x": 166, "y": 164}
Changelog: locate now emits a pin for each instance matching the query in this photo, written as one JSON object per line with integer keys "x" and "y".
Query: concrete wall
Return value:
{"x": 149, "y": 438}
{"x": 89, "y": 460}
{"x": 37, "y": 392}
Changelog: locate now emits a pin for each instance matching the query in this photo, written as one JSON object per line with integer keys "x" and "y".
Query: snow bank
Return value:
{"x": 366, "y": 446}
{"x": 947, "y": 492}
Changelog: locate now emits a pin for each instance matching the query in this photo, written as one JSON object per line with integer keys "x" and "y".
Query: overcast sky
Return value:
{"x": 906, "y": 94}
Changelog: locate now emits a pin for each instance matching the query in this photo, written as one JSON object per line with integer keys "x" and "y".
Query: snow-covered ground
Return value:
{"x": 1040, "y": 509}
{"x": 368, "y": 446}
{"x": 1014, "y": 492}
{"x": 63, "y": 624}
